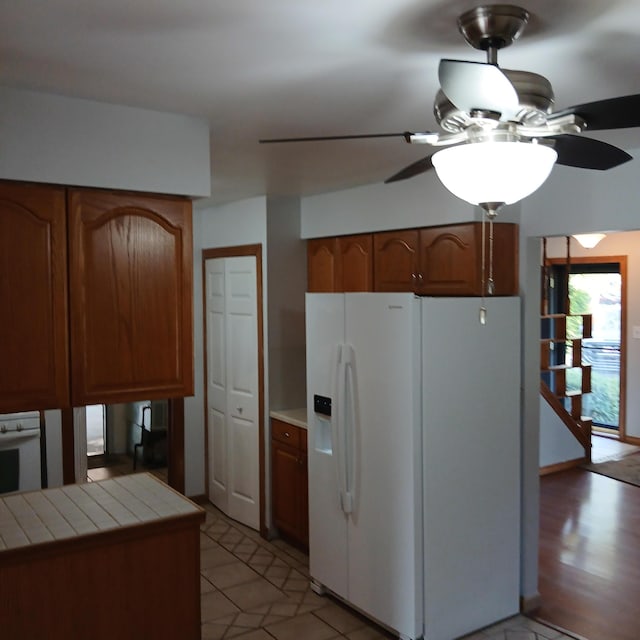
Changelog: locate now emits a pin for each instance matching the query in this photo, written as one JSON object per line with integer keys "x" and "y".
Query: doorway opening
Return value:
{"x": 127, "y": 438}
{"x": 96, "y": 430}
{"x": 596, "y": 286}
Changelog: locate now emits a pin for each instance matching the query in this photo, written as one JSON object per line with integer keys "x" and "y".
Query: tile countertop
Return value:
{"x": 296, "y": 417}
{"x": 78, "y": 509}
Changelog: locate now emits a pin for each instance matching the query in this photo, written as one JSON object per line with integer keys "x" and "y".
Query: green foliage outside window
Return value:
{"x": 605, "y": 397}
{"x": 580, "y": 303}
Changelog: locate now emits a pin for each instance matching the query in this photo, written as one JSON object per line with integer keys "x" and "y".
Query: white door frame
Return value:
{"x": 233, "y": 252}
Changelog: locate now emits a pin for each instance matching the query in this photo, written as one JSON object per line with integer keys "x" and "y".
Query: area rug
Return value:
{"x": 626, "y": 469}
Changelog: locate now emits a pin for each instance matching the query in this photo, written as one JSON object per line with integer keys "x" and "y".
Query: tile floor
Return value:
{"x": 253, "y": 589}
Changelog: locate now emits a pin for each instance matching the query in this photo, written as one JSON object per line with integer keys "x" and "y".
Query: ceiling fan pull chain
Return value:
{"x": 490, "y": 283}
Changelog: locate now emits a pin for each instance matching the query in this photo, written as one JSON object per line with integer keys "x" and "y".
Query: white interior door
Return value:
{"x": 232, "y": 383}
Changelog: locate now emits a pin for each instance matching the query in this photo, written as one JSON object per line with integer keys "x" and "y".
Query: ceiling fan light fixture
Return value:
{"x": 589, "y": 240}
{"x": 494, "y": 171}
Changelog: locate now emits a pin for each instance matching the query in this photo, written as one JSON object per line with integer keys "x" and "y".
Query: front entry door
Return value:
{"x": 233, "y": 387}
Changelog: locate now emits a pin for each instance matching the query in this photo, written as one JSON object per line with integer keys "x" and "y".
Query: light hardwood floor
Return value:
{"x": 590, "y": 555}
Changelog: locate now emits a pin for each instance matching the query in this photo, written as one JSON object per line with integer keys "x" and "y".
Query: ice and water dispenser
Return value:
{"x": 322, "y": 423}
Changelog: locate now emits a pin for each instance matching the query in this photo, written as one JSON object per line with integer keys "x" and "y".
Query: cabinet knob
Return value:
{"x": 286, "y": 434}
{"x": 414, "y": 277}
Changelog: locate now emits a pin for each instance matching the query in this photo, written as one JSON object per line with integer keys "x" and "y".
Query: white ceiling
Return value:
{"x": 289, "y": 68}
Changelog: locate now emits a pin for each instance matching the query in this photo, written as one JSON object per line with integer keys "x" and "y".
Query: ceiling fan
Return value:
{"x": 484, "y": 109}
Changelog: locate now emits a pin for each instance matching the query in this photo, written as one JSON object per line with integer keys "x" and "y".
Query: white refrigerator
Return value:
{"x": 413, "y": 417}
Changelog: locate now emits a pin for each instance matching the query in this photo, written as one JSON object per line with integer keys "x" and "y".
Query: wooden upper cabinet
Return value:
{"x": 396, "y": 260}
{"x": 356, "y": 263}
{"x": 33, "y": 290}
{"x": 322, "y": 265}
{"x": 343, "y": 263}
{"x": 451, "y": 259}
{"x": 131, "y": 296}
{"x": 433, "y": 261}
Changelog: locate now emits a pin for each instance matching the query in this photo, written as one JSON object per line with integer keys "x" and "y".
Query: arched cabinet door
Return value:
{"x": 356, "y": 257}
{"x": 337, "y": 264}
{"x": 34, "y": 348}
{"x": 395, "y": 260}
{"x": 131, "y": 296}
{"x": 323, "y": 265}
{"x": 451, "y": 260}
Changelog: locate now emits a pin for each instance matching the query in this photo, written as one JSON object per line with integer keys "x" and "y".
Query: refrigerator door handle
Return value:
{"x": 338, "y": 424}
{"x": 352, "y": 423}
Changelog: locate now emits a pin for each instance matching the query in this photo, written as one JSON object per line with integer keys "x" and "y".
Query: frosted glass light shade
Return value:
{"x": 494, "y": 171}
{"x": 589, "y": 240}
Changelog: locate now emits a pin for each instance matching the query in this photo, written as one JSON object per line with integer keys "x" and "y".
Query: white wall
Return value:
{"x": 54, "y": 139}
{"x": 420, "y": 202}
{"x": 581, "y": 201}
{"x": 235, "y": 224}
{"x": 287, "y": 278}
{"x": 53, "y": 422}
{"x": 557, "y": 443}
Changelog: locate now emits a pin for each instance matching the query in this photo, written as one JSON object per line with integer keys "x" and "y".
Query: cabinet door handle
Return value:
{"x": 286, "y": 434}
{"x": 420, "y": 276}
{"x": 413, "y": 277}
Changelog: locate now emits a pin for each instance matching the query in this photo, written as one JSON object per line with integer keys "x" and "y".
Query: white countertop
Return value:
{"x": 78, "y": 509}
{"x": 297, "y": 417}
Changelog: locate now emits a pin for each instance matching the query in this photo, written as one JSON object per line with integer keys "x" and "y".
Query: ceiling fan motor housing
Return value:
{"x": 535, "y": 97}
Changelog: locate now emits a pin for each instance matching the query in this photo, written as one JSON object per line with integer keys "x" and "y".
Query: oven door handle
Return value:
{"x": 14, "y": 435}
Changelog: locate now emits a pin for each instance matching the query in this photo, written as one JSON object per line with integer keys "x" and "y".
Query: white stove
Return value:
{"x": 20, "y": 468}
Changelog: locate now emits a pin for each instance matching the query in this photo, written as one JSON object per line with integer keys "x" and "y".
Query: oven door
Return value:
{"x": 20, "y": 452}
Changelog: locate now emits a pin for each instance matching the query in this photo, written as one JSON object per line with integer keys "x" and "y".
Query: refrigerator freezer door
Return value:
{"x": 325, "y": 326}
{"x": 385, "y": 535}
{"x": 471, "y": 416}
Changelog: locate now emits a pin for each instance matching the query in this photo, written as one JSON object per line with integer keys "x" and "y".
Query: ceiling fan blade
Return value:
{"x": 477, "y": 85}
{"x": 614, "y": 113}
{"x": 405, "y": 134}
{"x": 414, "y": 169}
{"x": 587, "y": 153}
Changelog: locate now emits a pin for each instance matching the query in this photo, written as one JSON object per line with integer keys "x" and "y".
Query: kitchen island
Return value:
{"x": 112, "y": 559}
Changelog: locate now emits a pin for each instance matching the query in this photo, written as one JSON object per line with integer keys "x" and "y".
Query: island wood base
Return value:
{"x": 131, "y": 582}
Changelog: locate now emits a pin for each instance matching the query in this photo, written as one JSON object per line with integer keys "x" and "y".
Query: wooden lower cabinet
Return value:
{"x": 289, "y": 481}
